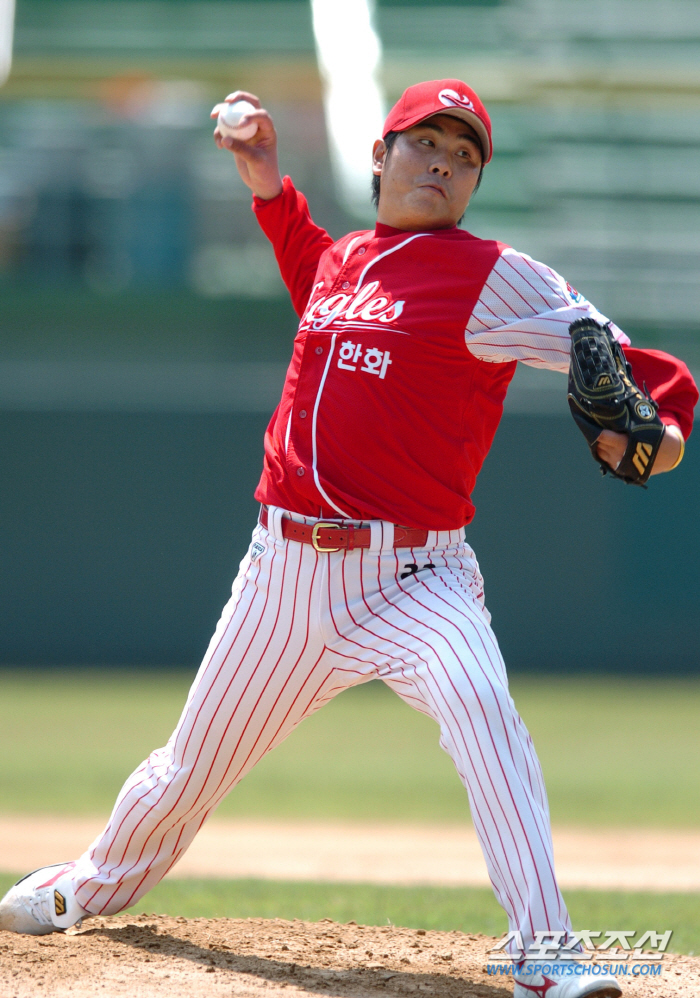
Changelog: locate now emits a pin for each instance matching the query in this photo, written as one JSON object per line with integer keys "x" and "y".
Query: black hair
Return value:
{"x": 389, "y": 140}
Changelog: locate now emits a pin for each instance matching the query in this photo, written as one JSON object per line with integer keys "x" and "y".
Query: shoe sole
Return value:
{"x": 12, "y": 910}
{"x": 607, "y": 991}
{"x": 604, "y": 991}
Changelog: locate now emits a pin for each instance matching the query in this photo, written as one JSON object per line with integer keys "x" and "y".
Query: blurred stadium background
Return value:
{"x": 144, "y": 331}
{"x": 144, "y": 335}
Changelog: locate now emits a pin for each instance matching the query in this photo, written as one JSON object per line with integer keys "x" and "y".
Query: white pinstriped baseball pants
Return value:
{"x": 300, "y": 627}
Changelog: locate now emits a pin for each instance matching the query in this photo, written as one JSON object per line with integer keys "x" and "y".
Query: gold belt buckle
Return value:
{"x": 323, "y": 526}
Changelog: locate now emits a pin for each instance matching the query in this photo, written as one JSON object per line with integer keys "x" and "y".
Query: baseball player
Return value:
{"x": 358, "y": 569}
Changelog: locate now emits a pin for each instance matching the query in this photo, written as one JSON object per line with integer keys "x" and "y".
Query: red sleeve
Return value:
{"x": 296, "y": 239}
{"x": 669, "y": 382}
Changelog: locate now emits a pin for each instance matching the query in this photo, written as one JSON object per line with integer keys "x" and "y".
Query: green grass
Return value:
{"x": 368, "y": 904}
{"x": 465, "y": 909}
{"x": 614, "y": 752}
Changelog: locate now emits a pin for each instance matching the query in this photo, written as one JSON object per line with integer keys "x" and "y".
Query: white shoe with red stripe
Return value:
{"x": 42, "y": 902}
{"x": 563, "y": 979}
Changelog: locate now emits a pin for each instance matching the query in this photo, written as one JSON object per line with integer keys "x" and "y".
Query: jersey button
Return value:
{"x": 362, "y": 250}
{"x": 319, "y": 350}
{"x": 345, "y": 285}
{"x": 302, "y": 414}
{"x": 300, "y": 472}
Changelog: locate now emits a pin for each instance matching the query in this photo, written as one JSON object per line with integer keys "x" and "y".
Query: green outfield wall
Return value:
{"x": 144, "y": 330}
{"x": 121, "y": 534}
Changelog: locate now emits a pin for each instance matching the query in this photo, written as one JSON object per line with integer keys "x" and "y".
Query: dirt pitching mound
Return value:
{"x": 152, "y": 956}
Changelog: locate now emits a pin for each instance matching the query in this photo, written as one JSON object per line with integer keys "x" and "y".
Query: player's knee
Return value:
{"x": 481, "y": 695}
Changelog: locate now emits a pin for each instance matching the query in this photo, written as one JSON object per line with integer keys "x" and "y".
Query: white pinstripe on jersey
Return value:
{"x": 300, "y": 627}
{"x": 524, "y": 312}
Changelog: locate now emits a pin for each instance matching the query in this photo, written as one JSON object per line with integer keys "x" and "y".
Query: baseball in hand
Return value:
{"x": 230, "y": 116}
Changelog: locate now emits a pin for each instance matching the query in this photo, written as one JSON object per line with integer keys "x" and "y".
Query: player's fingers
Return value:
{"x": 263, "y": 139}
{"x": 612, "y": 440}
{"x": 243, "y": 95}
{"x": 243, "y": 147}
{"x": 264, "y": 135}
{"x": 262, "y": 119}
{"x": 611, "y": 447}
{"x": 232, "y": 143}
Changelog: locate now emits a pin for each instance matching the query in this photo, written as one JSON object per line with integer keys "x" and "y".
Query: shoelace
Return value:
{"x": 39, "y": 905}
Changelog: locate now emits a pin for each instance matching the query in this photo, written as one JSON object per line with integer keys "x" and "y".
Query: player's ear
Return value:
{"x": 378, "y": 156}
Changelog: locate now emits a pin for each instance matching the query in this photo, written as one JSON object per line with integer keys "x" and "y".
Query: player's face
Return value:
{"x": 429, "y": 174}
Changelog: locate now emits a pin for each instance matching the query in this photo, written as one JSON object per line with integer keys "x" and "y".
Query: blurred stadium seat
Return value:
{"x": 108, "y": 177}
{"x": 129, "y": 255}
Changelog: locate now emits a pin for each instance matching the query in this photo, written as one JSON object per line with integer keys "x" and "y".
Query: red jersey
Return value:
{"x": 406, "y": 346}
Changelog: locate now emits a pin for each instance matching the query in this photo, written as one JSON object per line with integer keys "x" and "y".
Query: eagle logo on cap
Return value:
{"x": 450, "y": 98}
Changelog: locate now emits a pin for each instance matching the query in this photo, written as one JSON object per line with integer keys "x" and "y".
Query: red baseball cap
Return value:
{"x": 452, "y": 97}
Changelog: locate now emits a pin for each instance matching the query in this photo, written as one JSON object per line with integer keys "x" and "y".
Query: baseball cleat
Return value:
{"x": 42, "y": 902}
{"x": 558, "y": 979}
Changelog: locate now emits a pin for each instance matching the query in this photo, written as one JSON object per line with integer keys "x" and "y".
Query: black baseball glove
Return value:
{"x": 603, "y": 396}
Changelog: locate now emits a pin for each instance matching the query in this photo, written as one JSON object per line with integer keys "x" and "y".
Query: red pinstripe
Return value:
{"x": 497, "y": 754}
{"x": 501, "y": 887}
{"x": 252, "y": 713}
{"x": 299, "y": 628}
{"x": 535, "y": 361}
{"x": 521, "y": 732}
{"x": 279, "y": 695}
{"x": 530, "y": 264}
{"x": 507, "y": 305}
{"x": 443, "y": 716}
{"x": 421, "y": 583}
{"x": 500, "y": 713}
{"x": 110, "y": 831}
{"x": 499, "y": 319}
{"x": 484, "y": 837}
{"x": 512, "y": 328}
{"x": 505, "y": 258}
{"x": 193, "y": 728}
{"x": 507, "y": 344}
{"x": 467, "y": 614}
{"x": 507, "y": 328}
{"x": 205, "y": 780}
{"x": 497, "y": 275}
{"x": 187, "y": 741}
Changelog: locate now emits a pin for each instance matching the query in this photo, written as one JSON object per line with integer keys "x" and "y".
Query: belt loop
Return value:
{"x": 381, "y": 536}
{"x": 375, "y": 536}
{"x": 351, "y": 537}
{"x": 274, "y": 522}
{"x": 387, "y": 536}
